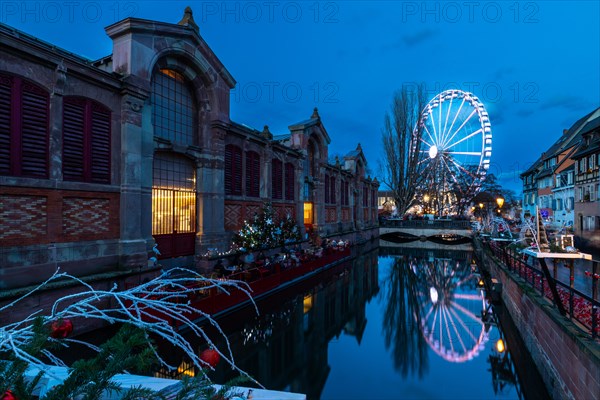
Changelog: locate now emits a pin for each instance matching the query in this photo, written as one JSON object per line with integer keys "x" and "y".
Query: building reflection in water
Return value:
{"x": 286, "y": 347}
{"x": 431, "y": 306}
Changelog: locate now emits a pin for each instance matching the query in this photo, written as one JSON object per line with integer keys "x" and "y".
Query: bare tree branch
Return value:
{"x": 401, "y": 136}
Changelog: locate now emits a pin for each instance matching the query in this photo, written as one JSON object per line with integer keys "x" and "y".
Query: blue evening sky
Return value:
{"x": 534, "y": 64}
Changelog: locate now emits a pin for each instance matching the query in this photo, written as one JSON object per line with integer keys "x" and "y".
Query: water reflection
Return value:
{"x": 402, "y": 318}
{"x": 324, "y": 336}
{"x": 286, "y": 347}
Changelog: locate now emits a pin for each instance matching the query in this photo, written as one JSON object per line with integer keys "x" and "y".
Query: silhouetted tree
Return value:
{"x": 401, "y": 145}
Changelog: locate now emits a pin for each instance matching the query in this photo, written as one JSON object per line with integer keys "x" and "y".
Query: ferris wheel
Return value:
{"x": 451, "y": 307}
{"x": 456, "y": 142}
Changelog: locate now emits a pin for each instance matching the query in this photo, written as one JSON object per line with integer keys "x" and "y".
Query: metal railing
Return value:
{"x": 581, "y": 307}
{"x": 425, "y": 224}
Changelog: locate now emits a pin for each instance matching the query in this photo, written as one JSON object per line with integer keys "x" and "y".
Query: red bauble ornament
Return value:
{"x": 61, "y": 328}
{"x": 8, "y": 395}
{"x": 211, "y": 357}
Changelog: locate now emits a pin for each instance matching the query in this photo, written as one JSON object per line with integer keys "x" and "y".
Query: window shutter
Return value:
{"x": 100, "y": 152}
{"x": 277, "y": 179}
{"x": 332, "y": 195}
{"x": 237, "y": 171}
{"x": 289, "y": 181}
{"x": 233, "y": 170}
{"x": 73, "y": 139}
{"x": 228, "y": 169}
{"x": 252, "y": 174}
{"x": 5, "y": 125}
{"x": 34, "y": 134}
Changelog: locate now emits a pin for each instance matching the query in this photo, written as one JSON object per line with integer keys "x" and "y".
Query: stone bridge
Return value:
{"x": 439, "y": 230}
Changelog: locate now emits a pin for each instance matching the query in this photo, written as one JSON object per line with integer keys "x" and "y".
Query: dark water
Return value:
{"x": 381, "y": 327}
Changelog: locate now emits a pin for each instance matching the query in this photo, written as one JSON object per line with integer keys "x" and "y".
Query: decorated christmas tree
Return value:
{"x": 265, "y": 231}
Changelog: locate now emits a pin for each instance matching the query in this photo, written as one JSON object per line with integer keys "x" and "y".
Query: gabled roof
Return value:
{"x": 533, "y": 168}
{"x": 314, "y": 120}
{"x": 588, "y": 148}
{"x": 583, "y": 125}
{"x": 567, "y": 139}
{"x": 356, "y": 153}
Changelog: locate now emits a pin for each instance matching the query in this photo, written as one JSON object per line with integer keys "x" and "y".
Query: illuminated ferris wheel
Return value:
{"x": 451, "y": 309}
{"x": 456, "y": 142}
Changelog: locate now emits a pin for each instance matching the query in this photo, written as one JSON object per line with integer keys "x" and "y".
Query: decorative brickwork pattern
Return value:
{"x": 252, "y": 209}
{"x": 283, "y": 210}
{"x": 291, "y": 210}
{"x": 83, "y": 216}
{"x": 23, "y": 217}
{"x": 330, "y": 214}
{"x": 345, "y": 214}
{"x": 233, "y": 216}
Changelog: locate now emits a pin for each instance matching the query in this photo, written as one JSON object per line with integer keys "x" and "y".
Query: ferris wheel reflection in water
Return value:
{"x": 440, "y": 304}
{"x": 437, "y": 304}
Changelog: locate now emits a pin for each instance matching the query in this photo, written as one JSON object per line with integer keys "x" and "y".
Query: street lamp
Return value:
{"x": 500, "y": 202}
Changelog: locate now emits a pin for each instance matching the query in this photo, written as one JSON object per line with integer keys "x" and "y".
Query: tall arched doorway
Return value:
{"x": 174, "y": 205}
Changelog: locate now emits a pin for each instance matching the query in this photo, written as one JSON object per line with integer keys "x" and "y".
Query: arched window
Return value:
{"x": 23, "y": 128}
{"x": 252, "y": 174}
{"x": 86, "y": 141}
{"x": 174, "y": 204}
{"x": 233, "y": 170}
{"x": 277, "y": 179}
{"x": 173, "y": 107}
{"x": 290, "y": 184}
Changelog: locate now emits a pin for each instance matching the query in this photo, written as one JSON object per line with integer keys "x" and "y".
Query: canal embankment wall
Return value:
{"x": 567, "y": 358}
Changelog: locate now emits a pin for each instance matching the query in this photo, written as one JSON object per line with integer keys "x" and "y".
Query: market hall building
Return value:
{"x": 100, "y": 160}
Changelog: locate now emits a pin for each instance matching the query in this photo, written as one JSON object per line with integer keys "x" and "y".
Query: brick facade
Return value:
{"x": 88, "y": 225}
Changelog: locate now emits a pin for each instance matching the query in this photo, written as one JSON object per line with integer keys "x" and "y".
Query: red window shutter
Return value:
{"x": 252, "y": 174}
{"x": 277, "y": 179}
{"x": 228, "y": 169}
{"x": 233, "y": 170}
{"x": 332, "y": 183}
{"x": 73, "y": 139}
{"x": 100, "y": 144}
{"x": 237, "y": 171}
{"x": 86, "y": 141}
{"x": 326, "y": 187}
{"x": 5, "y": 124}
{"x": 34, "y": 131}
{"x": 289, "y": 181}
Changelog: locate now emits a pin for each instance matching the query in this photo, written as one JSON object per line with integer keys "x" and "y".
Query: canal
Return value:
{"x": 410, "y": 325}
